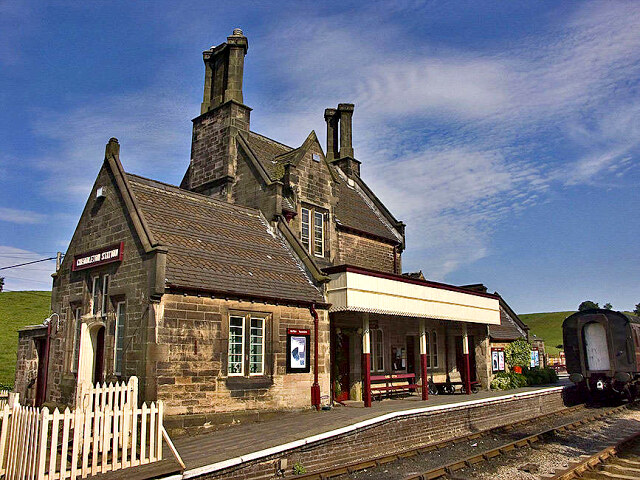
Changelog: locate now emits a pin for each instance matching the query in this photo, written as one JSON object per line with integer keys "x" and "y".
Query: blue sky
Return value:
{"x": 505, "y": 134}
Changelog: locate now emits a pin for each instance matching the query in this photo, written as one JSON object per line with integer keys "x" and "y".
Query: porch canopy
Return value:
{"x": 358, "y": 289}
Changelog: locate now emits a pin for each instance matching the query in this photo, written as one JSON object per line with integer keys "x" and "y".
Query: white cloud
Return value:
{"x": 13, "y": 215}
{"x": 36, "y": 276}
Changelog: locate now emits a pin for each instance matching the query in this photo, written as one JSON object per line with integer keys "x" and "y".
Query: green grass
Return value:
{"x": 17, "y": 310}
{"x": 548, "y": 327}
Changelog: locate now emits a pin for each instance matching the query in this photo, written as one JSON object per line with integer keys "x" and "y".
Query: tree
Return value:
{"x": 607, "y": 306}
{"x": 637, "y": 310}
{"x": 518, "y": 353}
{"x": 1, "y": 283}
{"x": 587, "y": 305}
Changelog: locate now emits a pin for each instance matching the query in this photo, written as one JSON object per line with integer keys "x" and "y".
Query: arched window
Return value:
{"x": 376, "y": 346}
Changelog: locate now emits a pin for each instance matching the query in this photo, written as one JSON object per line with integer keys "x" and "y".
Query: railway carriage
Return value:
{"x": 602, "y": 349}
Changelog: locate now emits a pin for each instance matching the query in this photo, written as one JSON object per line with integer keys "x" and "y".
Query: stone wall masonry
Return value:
{"x": 192, "y": 377}
{"x": 364, "y": 252}
{"x": 213, "y": 147}
{"x": 103, "y": 223}
{"x": 27, "y": 363}
{"x": 400, "y": 434}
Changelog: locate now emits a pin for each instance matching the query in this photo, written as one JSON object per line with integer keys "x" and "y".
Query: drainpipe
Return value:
{"x": 41, "y": 398}
{"x": 315, "y": 388}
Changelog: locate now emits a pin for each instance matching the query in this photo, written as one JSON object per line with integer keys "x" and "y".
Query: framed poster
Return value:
{"x": 495, "y": 362}
{"x": 298, "y": 348}
{"x": 398, "y": 358}
{"x": 501, "y": 360}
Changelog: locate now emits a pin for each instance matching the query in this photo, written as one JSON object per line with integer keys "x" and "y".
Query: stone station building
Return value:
{"x": 270, "y": 279}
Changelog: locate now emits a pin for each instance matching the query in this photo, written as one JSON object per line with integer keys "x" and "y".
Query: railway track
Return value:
{"x": 618, "y": 461}
{"x": 449, "y": 468}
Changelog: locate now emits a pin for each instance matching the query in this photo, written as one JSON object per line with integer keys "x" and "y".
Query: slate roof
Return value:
{"x": 352, "y": 210}
{"x": 507, "y": 330}
{"x": 266, "y": 151}
{"x": 215, "y": 246}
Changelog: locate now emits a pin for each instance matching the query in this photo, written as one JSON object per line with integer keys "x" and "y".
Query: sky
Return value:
{"x": 506, "y": 135}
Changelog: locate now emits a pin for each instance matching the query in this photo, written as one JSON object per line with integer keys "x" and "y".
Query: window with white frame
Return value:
{"x": 318, "y": 234}
{"x": 246, "y": 333}
{"x": 77, "y": 331}
{"x": 121, "y": 315}
{"x": 99, "y": 295}
{"x": 432, "y": 349}
{"x": 312, "y": 231}
{"x": 305, "y": 228}
{"x": 376, "y": 345}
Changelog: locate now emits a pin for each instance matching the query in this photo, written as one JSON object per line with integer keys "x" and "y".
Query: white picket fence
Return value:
{"x": 8, "y": 398}
{"x": 116, "y": 395}
{"x": 112, "y": 433}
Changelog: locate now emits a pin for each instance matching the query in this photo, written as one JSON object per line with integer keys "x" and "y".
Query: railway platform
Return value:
{"x": 314, "y": 440}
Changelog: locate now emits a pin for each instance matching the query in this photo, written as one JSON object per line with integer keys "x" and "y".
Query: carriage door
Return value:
{"x": 595, "y": 341}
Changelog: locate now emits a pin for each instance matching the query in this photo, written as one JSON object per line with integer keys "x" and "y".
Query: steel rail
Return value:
{"x": 470, "y": 460}
{"x": 590, "y": 463}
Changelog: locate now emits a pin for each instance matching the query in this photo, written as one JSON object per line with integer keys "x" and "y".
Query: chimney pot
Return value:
{"x": 237, "y": 31}
{"x": 112, "y": 148}
{"x": 346, "y": 145}
{"x": 331, "y": 117}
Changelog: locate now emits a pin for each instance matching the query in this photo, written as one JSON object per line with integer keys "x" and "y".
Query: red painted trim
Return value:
{"x": 299, "y": 331}
{"x": 366, "y": 365}
{"x": 467, "y": 367}
{"x": 315, "y": 388}
{"x": 119, "y": 246}
{"x": 401, "y": 278}
{"x": 425, "y": 378}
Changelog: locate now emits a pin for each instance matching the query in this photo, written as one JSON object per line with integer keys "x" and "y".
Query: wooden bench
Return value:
{"x": 391, "y": 383}
{"x": 449, "y": 387}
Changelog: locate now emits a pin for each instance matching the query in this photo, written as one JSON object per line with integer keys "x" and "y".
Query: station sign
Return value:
{"x": 113, "y": 253}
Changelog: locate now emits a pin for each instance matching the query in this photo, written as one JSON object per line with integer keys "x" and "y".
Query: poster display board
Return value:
{"x": 497, "y": 360}
{"x": 535, "y": 358}
{"x": 298, "y": 348}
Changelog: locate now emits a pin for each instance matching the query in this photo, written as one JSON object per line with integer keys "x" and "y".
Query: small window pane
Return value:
{"x": 256, "y": 347}
{"x": 379, "y": 351}
{"x": 120, "y": 325}
{"x": 105, "y": 293}
{"x": 434, "y": 349}
{"x": 95, "y": 295}
{"x": 236, "y": 345}
{"x": 318, "y": 234}
{"x": 77, "y": 317}
{"x": 305, "y": 230}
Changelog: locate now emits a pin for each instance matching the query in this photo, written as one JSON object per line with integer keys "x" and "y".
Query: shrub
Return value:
{"x": 508, "y": 380}
{"x": 518, "y": 353}
{"x": 540, "y": 376}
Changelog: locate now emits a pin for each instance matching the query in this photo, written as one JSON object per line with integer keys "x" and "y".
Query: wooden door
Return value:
{"x": 41, "y": 378}
{"x": 340, "y": 368}
{"x": 98, "y": 372}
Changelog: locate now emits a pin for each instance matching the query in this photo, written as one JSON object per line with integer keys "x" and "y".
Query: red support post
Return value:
{"x": 366, "y": 365}
{"x": 315, "y": 388}
{"x": 425, "y": 379}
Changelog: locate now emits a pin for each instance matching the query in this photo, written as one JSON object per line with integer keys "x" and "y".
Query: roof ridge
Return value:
{"x": 195, "y": 195}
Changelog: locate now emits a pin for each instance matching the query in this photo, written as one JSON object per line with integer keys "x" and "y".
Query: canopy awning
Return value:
{"x": 361, "y": 290}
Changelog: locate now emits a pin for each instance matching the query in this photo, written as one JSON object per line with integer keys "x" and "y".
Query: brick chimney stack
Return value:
{"x": 224, "y": 69}
{"x": 345, "y": 111}
{"x": 341, "y": 154}
{"x": 214, "y": 151}
{"x": 331, "y": 117}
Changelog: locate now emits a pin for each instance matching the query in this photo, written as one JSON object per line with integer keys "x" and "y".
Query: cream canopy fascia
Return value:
{"x": 355, "y": 289}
